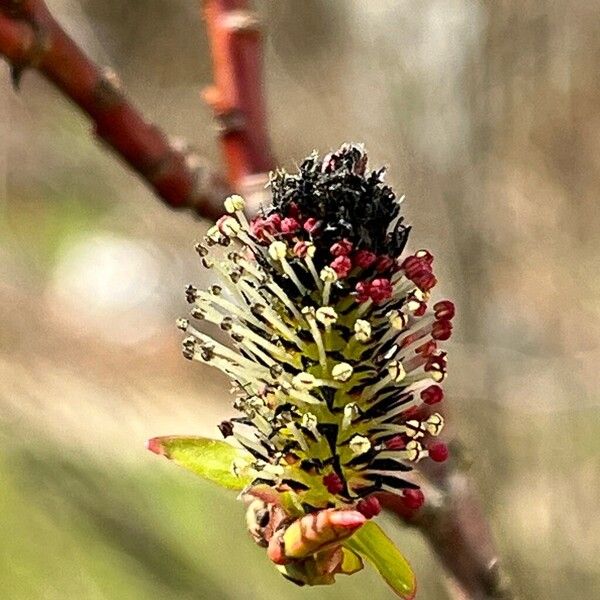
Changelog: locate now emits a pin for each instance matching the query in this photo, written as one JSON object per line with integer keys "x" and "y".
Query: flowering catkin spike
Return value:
{"x": 334, "y": 351}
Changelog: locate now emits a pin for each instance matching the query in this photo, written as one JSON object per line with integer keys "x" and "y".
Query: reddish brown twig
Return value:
{"x": 31, "y": 38}
{"x": 453, "y": 522}
{"x": 237, "y": 94}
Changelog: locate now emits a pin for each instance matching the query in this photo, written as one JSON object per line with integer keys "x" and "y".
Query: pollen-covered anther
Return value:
{"x": 328, "y": 275}
{"x": 228, "y": 226}
{"x": 342, "y": 371}
{"x": 303, "y": 382}
{"x": 234, "y": 203}
{"x": 213, "y": 235}
{"x": 415, "y": 429}
{"x": 414, "y": 451}
{"x": 359, "y": 444}
{"x": 396, "y": 371}
{"x": 326, "y": 315}
{"x": 435, "y": 424}
{"x": 310, "y": 422}
{"x": 277, "y": 250}
{"x": 350, "y": 413}
{"x": 362, "y": 330}
{"x": 182, "y": 324}
{"x": 397, "y": 319}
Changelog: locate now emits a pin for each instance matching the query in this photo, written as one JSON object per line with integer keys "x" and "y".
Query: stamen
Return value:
{"x": 309, "y": 314}
{"x": 327, "y": 276}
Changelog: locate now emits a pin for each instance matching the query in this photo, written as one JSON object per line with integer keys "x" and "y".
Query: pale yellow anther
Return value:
{"x": 414, "y": 450}
{"x": 413, "y": 305}
{"x": 326, "y": 315}
{"x": 234, "y": 203}
{"x": 362, "y": 330}
{"x": 277, "y": 250}
{"x": 310, "y": 249}
{"x": 414, "y": 429}
{"x": 350, "y": 412}
{"x": 437, "y": 376}
{"x": 309, "y": 421}
{"x": 213, "y": 234}
{"x": 435, "y": 424}
{"x": 397, "y": 319}
{"x": 359, "y": 444}
{"x": 304, "y": 382}
{"x": 328, "y": 275}
{"x": 229, "y": 227}
{"x": 309, "y": 312}
{"x": 342, "y": 371}
{"x": 396, "y": 371}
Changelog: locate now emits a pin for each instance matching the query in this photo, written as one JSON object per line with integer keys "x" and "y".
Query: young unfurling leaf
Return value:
{"x": 213, "y": 460}
{"x": 371, "y": 542}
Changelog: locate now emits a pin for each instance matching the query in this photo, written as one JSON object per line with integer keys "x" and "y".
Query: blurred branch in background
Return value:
{"x": 237, "y": 95}
{"x": 452, "y": 520}
{"x": 31, "y": 38}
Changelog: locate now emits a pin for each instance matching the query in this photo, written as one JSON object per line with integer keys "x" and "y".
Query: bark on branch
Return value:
{"x": 31, "y": 38}
{"x": 237, "y": 96}
{"x": 453, "y": 522}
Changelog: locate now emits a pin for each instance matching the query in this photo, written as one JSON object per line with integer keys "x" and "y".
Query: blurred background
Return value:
{"x": 487, "y": 115}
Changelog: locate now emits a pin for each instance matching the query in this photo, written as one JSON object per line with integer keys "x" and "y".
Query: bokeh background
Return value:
{"x": 487, "y": 115}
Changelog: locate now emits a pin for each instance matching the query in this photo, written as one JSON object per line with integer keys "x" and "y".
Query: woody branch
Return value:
{"x": 30, "y": 38}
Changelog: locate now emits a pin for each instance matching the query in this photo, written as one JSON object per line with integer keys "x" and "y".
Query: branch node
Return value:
{"x": 109, "y": 89}
{"x": 241, "y": 21}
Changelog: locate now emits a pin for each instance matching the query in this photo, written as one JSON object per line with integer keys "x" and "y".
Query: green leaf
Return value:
{"x": 371, "y": 542}
{"x": 210, "y": 459}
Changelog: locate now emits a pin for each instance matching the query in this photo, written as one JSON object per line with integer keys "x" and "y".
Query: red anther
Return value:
{"x": 363, "y": 291}
{"x": 364, "y": 259}
{"x": 426, "y": 349}
{"x": 441, "y": 330}
{"x": 413, "y": 499}
{"x": 438, "y": 452}
{"x": 437, "y": 361}
{"x": 333, "y": 483}
{"x": 260, "y": 226}
{"x": 289, "y": 225}
{"x": 424, "y": 280}
{"x": 341, "y": 248}
{"x": 421, "y": 310}
{"x": 444, "y": 309}
{"x": 384, "y": 263}
{"x": 413, "y": 265}
{"x": 342, "y": 265}
{"x": 432, "y": 394}
{"x": 369, "y": 507}
{"x": 300, "y": 249}
{"x": 310, "y": 225}
{"x": 395, "y": 443}
{"x": 380, "y": 290}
